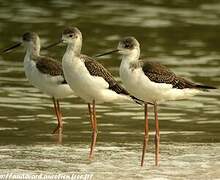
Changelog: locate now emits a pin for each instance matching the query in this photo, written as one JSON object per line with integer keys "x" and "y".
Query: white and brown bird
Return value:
{"x": 45, "y": 73}
{"x": 89, "y": 79}
{"x": 151, "y": 82}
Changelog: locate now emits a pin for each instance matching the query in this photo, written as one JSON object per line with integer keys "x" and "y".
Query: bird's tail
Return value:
{"x": 204, "y": 87}
{"x": 138, "y": 101}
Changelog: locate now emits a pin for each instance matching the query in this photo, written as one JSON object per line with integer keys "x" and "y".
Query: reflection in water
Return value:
{"x": 180, "y": 34}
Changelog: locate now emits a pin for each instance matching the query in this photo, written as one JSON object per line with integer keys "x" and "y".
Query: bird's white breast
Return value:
{"x": 85, "y": 85}
{"x": 50, "y": 85}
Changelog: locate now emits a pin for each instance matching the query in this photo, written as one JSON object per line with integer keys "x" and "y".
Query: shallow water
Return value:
{"x": 182, "y": 34}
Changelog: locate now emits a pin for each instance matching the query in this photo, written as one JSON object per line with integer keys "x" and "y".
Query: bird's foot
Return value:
{"x": 58, "y": 129}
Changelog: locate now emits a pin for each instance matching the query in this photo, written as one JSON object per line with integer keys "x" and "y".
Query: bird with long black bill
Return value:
{"x": 45, "y": 73}
{"x": 89, "y": 79}
{"x": 151, "y": 82}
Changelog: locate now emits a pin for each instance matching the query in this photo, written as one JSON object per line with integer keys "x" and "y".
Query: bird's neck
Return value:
{"x": 131, "y": 57}
{"x": 33, "y": 50}
{"x": 74, "y": 49}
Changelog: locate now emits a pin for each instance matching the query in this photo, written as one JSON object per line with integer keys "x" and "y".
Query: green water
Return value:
{"x": 182, "y": 34}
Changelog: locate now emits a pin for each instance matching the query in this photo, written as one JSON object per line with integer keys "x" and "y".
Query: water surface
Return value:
{"x": 182, "y": 34}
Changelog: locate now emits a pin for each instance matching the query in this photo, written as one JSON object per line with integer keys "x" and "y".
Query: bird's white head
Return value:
{"x": 129, "y": 46}
{"x": 31, "y": 42}
{"x": 30, "y": 38}
{"x": 71, "y": 35}
{"x": 73, "y": 38}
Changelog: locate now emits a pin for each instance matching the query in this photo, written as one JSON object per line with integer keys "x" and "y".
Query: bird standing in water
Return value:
{"x": 151, "y": 82}
{"x": 45, "y": 73}
{"x": 89, "y": 79}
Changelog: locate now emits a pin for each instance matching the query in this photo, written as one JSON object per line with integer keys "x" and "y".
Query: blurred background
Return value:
{"x": 181, "y": 34}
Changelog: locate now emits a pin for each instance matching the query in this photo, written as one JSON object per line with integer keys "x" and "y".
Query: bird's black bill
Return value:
{"x": 12, "y": 47}
{"x": 106, "y": 53}
{"x": 51, "y": 45}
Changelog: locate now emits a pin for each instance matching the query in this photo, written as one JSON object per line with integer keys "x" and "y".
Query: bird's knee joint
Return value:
{"x": 95, "y": 131}
{"x": 157, "y": 137}
{"x": 146, "y": 137}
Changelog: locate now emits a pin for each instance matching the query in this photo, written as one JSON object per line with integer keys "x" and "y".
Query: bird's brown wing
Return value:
{"x": 50, "y": 66}
{"x": 161, "y": 74}
{"x": 96, "y": 69}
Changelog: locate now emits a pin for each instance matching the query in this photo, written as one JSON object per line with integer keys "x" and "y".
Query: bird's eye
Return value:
{"x": 126, "y": 46}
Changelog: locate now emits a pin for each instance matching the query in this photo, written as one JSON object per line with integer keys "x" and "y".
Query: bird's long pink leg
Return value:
{"x": 59, "y": 112}
{"x": 146, "y": 136}
{"x": 157, "y": 135}
{"x": 59, "y": 116}
{"x": 91, "y": 120}
{"x": 60, "y": 128}
{"x": 90, "y": 114}
{"x": 94, "y": 129}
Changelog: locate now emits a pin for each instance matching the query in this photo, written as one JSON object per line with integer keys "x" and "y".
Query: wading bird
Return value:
{"x": 151, "y": 82}
{"x": 45, "y": 73}
{"x": 89, "y": 79}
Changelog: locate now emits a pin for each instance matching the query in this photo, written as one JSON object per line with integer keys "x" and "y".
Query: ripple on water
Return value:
{"x": 177, "y": 160}
{"x": 26, "y": 114}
